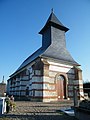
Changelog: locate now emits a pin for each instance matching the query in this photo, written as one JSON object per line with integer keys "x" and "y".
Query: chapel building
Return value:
{"x": 50, "y": 73}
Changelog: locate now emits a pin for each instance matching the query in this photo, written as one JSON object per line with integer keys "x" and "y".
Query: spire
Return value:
{"x": 53, "y": 21}
{"x": 3, "y": 79}
{"x": 52, "y": 10}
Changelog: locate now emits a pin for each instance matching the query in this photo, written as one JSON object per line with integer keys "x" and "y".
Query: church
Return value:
{"x": 50, "y": 73}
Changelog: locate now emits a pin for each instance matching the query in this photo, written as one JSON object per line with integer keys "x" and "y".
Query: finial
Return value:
{"x": 52, "y": 10}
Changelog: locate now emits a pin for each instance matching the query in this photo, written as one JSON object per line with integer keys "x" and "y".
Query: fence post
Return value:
{"x": 75, "y": 97}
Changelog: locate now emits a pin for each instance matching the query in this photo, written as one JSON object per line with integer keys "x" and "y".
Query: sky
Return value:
{"x": 21, "y": 21}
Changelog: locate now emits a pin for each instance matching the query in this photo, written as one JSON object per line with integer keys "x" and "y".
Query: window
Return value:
{"x": 60, "y": 77}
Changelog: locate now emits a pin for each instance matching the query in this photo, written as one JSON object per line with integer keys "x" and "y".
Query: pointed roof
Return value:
{"x": 59, "y": 54}
{"x": 53, "y": 21}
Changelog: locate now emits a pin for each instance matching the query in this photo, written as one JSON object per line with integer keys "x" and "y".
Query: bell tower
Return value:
{"x": 53, "y": 40}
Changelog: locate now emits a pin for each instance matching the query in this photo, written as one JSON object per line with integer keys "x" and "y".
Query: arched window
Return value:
{"x": 60, "y": 77}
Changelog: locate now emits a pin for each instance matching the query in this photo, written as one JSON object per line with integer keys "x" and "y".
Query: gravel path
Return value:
{"x": 39, "y": 111}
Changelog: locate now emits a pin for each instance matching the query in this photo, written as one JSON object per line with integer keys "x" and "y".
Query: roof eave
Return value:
{"x": 62, "y": 61}
{"x": 50, "y": 23}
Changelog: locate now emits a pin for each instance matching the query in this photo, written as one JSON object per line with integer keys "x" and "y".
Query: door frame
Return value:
{"x": 65, "y": 84}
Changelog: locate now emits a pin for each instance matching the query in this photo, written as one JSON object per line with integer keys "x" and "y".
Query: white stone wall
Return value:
{"x": 49, "y": 94}
{"x": 25, "y": 78}
{"x": 37, "y": 79}
{"x": 54, "y": 69}
{"x": 37, "y": 86}
{"x": 59, "y": 69}
{"x": 38, "y": 93}
{"x": 25, "y": 82}
{"x": 46, "y": 85}
{"x": 35, "y": 82}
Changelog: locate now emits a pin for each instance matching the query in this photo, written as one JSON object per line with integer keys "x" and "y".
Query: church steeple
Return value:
{"x": 53, "y": 40}
{"x": 53, "y": 43}
{"x": 53, "y": 21}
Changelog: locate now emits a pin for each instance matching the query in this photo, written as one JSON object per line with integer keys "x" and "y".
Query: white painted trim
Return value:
{"x": 58, "y": 64}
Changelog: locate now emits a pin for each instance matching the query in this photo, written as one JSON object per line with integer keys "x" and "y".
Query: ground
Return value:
{"x": 38, "y": 111}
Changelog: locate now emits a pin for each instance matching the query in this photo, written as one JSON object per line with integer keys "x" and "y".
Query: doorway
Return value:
{"x": 61, "y": 87}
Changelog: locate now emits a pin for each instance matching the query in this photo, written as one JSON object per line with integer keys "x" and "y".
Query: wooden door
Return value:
{"x": 60, "y": 87}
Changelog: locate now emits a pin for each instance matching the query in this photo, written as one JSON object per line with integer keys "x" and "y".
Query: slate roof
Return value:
{"x": 59, "y": 54}
{"x": 48, "y": 54}
{"x": 55, "y": 53}
{"x": 31, "y": 58}
{"x": 53, "y": 20}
